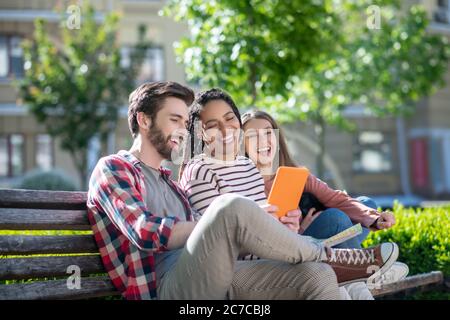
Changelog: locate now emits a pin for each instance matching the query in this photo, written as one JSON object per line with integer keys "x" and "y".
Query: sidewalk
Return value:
{"x": 415, "y": 201}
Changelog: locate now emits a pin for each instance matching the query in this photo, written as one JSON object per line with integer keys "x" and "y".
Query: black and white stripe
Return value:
{"x": 204, "y": 180}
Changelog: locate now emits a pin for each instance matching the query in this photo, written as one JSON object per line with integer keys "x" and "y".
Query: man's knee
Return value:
{"x": 230, "y": 206}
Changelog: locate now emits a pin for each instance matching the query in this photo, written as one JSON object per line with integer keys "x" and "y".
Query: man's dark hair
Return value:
{"x": 204, "y": 97}
{"x": 149, "y": 98}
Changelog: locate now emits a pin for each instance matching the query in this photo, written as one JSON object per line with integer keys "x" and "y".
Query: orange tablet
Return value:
{"x": 287, "y": 188}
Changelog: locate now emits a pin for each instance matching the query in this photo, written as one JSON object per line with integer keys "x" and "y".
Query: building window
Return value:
{"x": 442, "y": 11}
{"x": 44, "y": 152}
{"x": 152, "y": 68}
{"x": 11, "y": 155}
{"x": 11, "y": 57}
{"x": 372, "y": 152}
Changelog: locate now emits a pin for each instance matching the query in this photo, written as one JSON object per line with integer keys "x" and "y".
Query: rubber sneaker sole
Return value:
{"x": 397, "y": 272}
{"x": 389, "y": 255}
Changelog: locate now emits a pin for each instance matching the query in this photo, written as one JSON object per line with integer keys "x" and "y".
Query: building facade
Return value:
{"x": 389, "y": 156}
{"x": 24, "y": 144}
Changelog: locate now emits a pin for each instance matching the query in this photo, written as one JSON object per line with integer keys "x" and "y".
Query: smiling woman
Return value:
{"x": 340, "y": 211}
{"x": 217, "y": 168}
{"x": 213, "y": 118}
{"x": 220, "y": 130}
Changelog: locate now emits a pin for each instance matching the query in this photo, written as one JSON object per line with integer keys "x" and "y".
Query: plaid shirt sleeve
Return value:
{"x": 116, "y": 190}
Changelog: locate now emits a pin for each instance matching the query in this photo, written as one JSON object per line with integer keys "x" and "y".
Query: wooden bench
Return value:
{"x": 48, "y": 210}
{"x": 60, "y": 210}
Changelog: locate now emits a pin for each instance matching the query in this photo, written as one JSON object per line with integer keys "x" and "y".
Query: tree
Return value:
{"x": 251, "y": 48}
{"x": 385, "y": 69}
{"x": 76, "y": 85}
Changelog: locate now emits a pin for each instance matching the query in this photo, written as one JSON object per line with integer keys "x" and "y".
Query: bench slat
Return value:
{"x": 21, "y": 245}
{"x": 434, "y": 277}
{"x": 36, "y": 199}
{"x": 43, "y": 219}
{"x": 41, "y": 267}
{"x": 91, "y": 287}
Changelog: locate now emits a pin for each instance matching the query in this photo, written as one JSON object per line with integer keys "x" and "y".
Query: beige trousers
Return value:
{"x": 208, "y": 268}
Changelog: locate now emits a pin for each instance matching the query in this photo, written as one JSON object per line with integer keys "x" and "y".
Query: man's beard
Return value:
{"x": 159, "y": 141}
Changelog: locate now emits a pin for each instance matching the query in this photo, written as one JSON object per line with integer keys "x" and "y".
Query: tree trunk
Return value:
{"x": 253, "y": 79}
{"x": 252, "y": 64}
{"x": 80, "y": 162}
{"x": 320, "y": 127}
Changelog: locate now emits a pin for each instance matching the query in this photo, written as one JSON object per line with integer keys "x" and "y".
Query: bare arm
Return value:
{"x": 180, "y": 233}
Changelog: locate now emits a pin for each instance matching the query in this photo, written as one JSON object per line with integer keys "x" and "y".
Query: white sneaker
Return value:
{"x": 344, "y": 294}
{"x": 398, "y": 271}
{"x": 358, "y": 291}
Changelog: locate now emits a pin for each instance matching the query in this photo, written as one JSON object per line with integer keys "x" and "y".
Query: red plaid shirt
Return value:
{"x": 126, "y": 231}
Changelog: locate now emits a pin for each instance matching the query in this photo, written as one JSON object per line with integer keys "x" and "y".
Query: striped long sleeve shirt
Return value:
{"x": 204, "y": 179}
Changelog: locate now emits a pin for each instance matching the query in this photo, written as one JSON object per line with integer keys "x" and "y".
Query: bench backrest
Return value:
{"x": 43, "y": 255}
{"x": 24, "y": 255}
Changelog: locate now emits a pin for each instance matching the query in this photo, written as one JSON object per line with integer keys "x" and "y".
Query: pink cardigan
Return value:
{"x": 331, "y": 198}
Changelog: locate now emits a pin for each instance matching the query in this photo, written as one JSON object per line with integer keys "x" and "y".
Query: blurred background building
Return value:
{"x": 406, "y": 158}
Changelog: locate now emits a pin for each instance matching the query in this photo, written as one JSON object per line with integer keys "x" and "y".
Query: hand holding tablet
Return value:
{"x": 287, "y": 188}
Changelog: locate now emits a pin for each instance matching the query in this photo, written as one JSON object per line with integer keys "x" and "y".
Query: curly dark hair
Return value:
{"x": 201, "y": 100}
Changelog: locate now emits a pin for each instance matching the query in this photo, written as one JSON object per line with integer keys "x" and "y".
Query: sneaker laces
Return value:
{"x": 355, "y": 256}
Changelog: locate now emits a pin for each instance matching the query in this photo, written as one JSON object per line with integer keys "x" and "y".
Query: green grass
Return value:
{"x": 43, "y": 233}
{"x": 432, "y": 295}
{"x": 423, "y": 236}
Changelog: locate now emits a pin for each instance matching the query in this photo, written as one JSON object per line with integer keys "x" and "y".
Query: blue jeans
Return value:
{"x": 332, "y": 221}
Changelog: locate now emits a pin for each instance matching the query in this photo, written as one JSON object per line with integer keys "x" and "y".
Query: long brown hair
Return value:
{"x": 285, "y": 157}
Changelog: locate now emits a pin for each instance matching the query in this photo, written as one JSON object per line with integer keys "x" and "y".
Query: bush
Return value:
{"x": 47, "y": 180}
{"x": 423, "y": 238}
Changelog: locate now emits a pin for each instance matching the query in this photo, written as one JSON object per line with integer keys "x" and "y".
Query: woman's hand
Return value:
{"x": 292, "y": 220}
{"x": 270, "y": 209}
{"x": 385, "y": 221}
{"x": 308, "y": 219}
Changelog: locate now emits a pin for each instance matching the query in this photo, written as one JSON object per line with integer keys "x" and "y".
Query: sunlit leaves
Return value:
{"x": 319, "y": 54}
{"x": 239, "y": 44}
{"x": 74, "y": 83}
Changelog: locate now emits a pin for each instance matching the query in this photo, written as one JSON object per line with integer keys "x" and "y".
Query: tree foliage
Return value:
{"x": 75, "y": 83}
{"x": 251, "y": 48}
{"x": 331, "y": 58}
